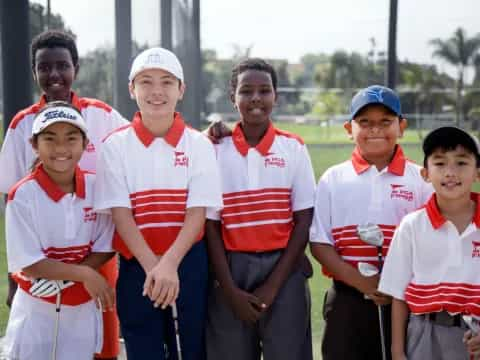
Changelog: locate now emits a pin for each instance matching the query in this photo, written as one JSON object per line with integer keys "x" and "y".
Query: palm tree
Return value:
{"x": 458, "y": 51}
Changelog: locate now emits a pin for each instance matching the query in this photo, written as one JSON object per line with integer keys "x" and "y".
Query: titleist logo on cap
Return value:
{"x": 154, "y": 59}
{"x": 55, "y": 114}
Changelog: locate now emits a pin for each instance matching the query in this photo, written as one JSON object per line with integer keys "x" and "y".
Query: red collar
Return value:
{"x": 396, "y": 166}
{"x": 52, "y": 189}
{"x": 436, "y": 217}
{"x": 75, "y": 101}
{"x": 262, "y": 147}
{"x": 172, "y": 136}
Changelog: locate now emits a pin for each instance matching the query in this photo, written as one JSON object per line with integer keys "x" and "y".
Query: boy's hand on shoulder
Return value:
{"x": 98, "y": 288}
{"x": 162, "y": 284}
{"x": 217, "y": 131}
{"x": 245, "y": 305}
{"x": 472, "y": 341}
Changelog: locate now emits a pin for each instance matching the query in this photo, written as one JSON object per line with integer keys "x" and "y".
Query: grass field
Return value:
{"x": 324, "y": 153}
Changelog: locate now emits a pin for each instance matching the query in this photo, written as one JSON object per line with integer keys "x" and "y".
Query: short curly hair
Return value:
{"x": 252, "y": 64}
{"x": 52, "y": 39}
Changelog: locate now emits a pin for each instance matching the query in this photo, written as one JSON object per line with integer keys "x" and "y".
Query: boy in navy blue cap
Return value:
{"x": 373, "y": 190}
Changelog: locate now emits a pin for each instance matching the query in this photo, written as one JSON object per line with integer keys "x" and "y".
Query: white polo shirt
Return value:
{"x": 354, "y": 193}
{"x": 262, "y": 187}
{"x": 158, "y": 178}
{"x": 17, "y": 156}
{"x": 44, "y": 222}
{"x": 431, "y": 266}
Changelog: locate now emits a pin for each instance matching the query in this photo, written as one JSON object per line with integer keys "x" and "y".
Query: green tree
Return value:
{"x": 38, "y": 20}
{"x": 459, "y": 51}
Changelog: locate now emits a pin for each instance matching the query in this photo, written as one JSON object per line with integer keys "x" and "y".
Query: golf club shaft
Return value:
{"x": 177, "y": 332}
{"x": 57, "y": 324}
{"x": 382, "y": 332}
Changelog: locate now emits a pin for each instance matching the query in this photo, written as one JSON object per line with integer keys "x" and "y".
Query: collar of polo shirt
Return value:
{"x": 262, "y": 147}
{"x": 436, "y": 217}
{"x": 53, "y": 190}
{"x": 396, "y": 166}
{"x": 172, "y": 136}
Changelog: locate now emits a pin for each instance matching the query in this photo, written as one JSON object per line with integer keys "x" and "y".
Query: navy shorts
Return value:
{"x": 148, "y": 331}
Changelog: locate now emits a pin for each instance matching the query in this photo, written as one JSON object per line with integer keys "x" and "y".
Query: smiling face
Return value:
{"x": 254, "y": 97}
{"x": 59, "y": 148}
{"x": 375, "y": 131}
{"x": 451, "y": 172}
{"x": 55, "y": 72}
{"x": 156, "y": 92}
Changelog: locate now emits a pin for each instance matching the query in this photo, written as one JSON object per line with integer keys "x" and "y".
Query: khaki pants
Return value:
{"x": 283, "y": 332}
{"x": 427, "y": 340}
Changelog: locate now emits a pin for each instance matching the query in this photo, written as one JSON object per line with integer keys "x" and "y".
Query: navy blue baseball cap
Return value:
{"x": 375, "y": 94}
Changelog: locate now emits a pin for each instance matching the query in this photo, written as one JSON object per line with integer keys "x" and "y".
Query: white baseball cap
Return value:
{"x": 156, "y": 58}
{"x": 54, "y": 114}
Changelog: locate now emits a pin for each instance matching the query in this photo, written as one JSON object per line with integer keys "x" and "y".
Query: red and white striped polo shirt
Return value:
{"x": 158, "y": 178}
{"x": 431, "y": 266}
{"x": 262, "y": 187}
{"x": 17, "y": 156}
{"x": 44, "y": 222}
{"x": 354, "y": 193}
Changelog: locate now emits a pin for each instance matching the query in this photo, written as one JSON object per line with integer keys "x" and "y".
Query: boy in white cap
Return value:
{"x": 53, "y": 236}
{"x": 157, "y": 177}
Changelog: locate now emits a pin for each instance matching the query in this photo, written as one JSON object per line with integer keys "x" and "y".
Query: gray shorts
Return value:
{"x": 283, "y": 332}
{"x": 427, "y": 340}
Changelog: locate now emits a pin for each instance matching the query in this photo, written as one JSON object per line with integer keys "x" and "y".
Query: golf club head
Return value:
{"x": 472, "y": 323}
{"x": 367, "y": 269}
{"x": 370, "y": 234}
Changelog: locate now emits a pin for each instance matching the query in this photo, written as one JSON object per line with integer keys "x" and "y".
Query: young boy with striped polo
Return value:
{"x": 158, "y": 176}
{"x": 378, "y": 186}
{"x": 432, "y": 271}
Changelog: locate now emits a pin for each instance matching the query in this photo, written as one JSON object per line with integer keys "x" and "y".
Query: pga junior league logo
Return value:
{"x": 276, "y": 161}
{"x": 399, "y": 193}
{"x": 180, "y": 159}
{"x": 89, "y": 214}
{"x": 476, "y": 249}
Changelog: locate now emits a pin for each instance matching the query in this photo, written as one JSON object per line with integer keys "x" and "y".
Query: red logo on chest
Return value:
{"x": 90, "y": 148}
{"x": 89, "y": 214}
{"x": 276, "y": 161}
{"x": 476, "y": 249}
{"x": 180, "y": 159}
{"x": 399, "y": 193}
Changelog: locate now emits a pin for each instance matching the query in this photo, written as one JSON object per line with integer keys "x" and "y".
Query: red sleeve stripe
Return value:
{"x": 32, "y": 110}
{"x": 67, "y": 248}
{"x": 121, "y": 128}
{"x": 13, "y": 190}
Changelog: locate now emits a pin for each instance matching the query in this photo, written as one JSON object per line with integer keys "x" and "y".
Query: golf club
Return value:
{"x": 57, "y": 323}
{"x": 177, "y": 333}
{"x": 371, "y": 234}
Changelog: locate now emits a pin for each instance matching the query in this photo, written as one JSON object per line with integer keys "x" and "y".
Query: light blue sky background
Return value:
{"x": 286, "y": 29}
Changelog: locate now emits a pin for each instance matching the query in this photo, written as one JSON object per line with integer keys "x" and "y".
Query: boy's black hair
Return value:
{"x": 448, "y": 138}
{"x": 252, "y": 64}
{"x": 368, "y": 106}
{"x": 52, "y": 39}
